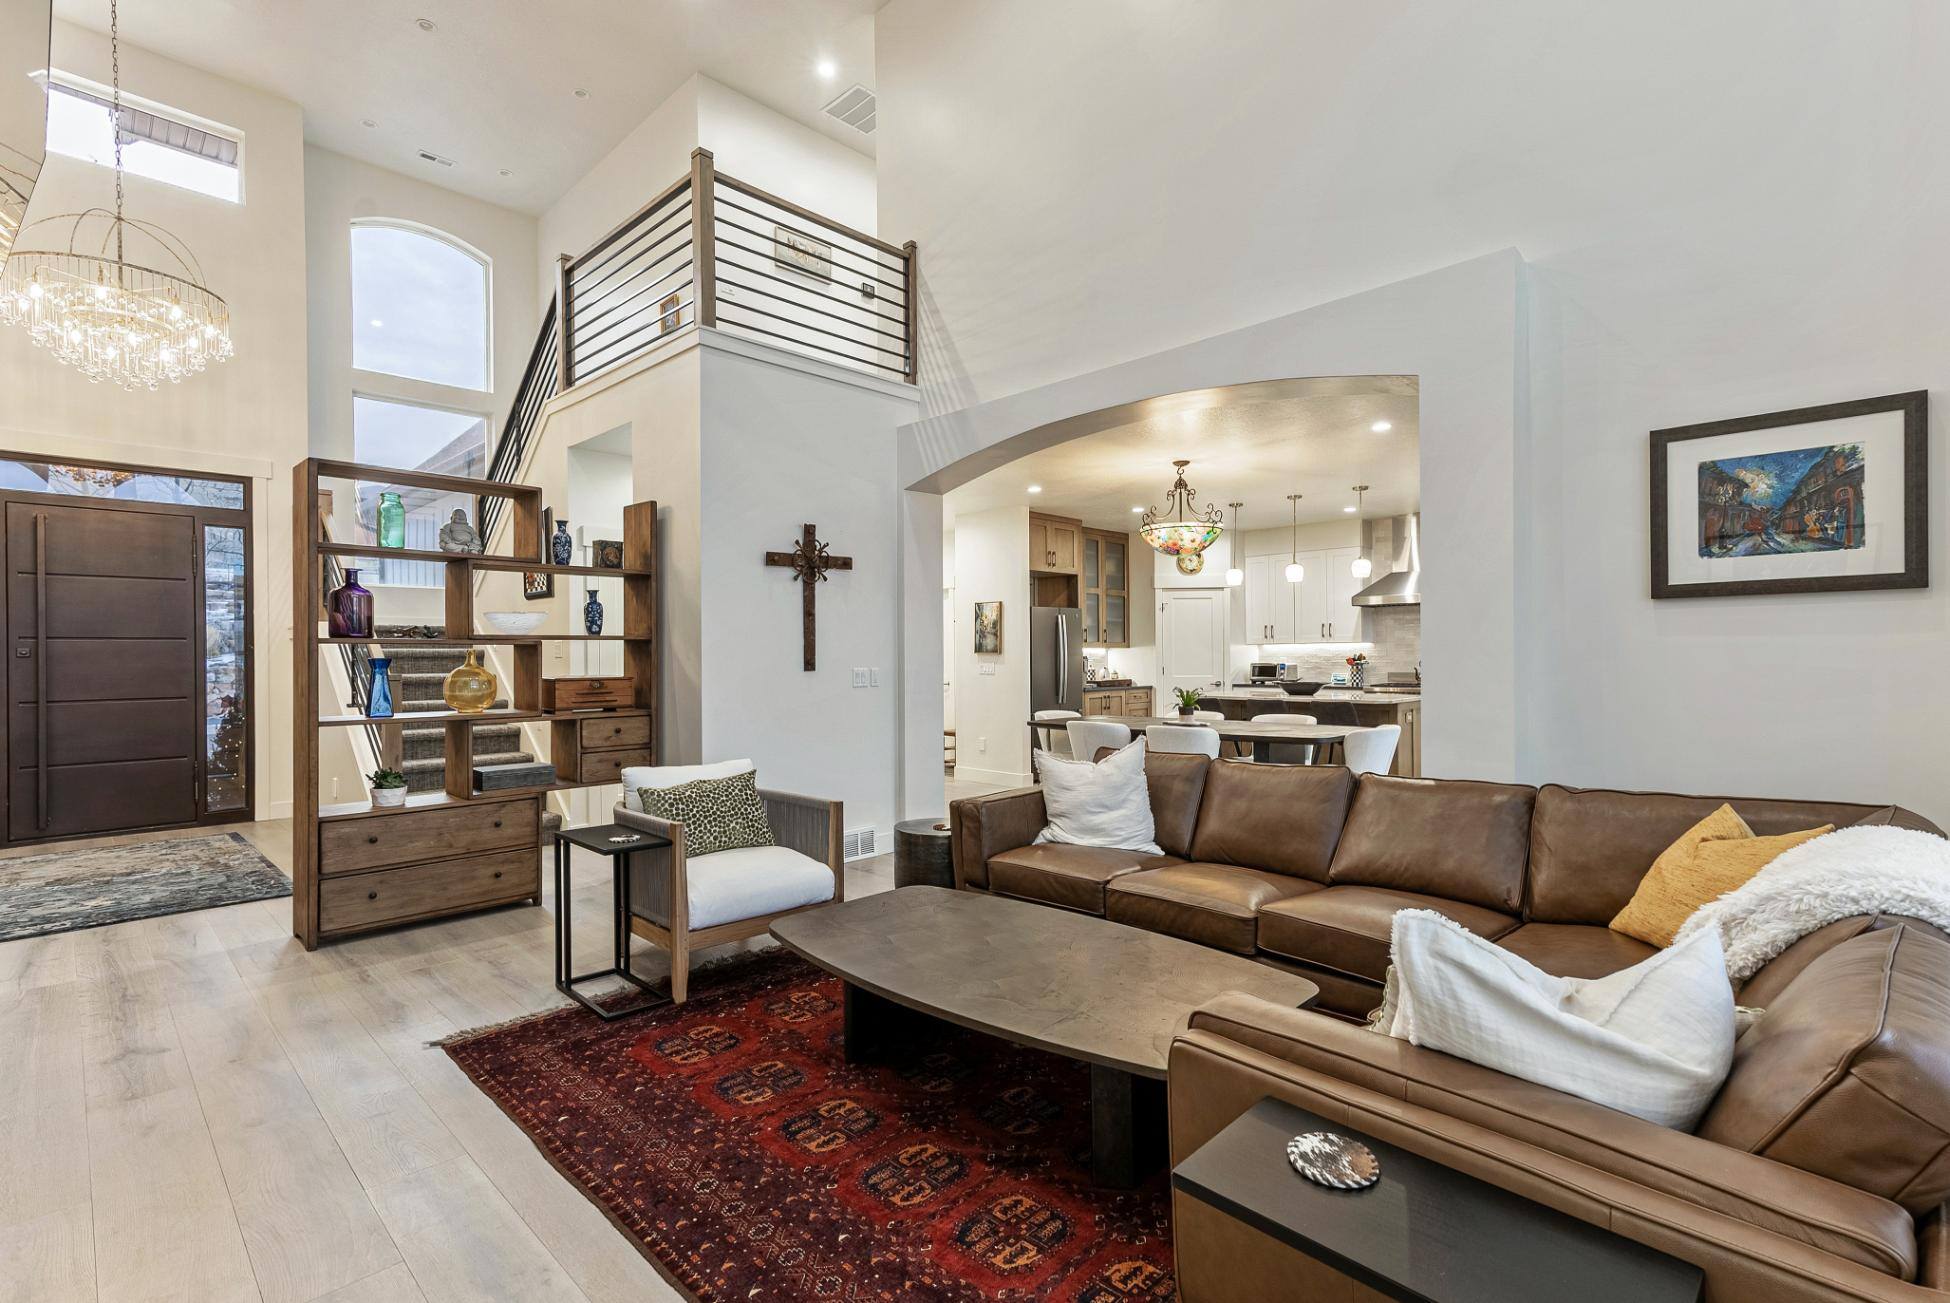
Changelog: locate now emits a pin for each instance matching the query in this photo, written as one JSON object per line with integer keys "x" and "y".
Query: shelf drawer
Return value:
{"x": 351, "y": 845}
{"x": 394, "y": 895}
{"x": 608, "y": 766}
{"x": 613, "y": 731}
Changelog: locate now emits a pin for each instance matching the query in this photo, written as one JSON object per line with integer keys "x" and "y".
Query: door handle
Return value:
{"x": 40, "y": 671}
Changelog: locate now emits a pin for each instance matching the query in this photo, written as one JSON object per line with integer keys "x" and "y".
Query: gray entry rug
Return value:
{"x": 90, "y": 886}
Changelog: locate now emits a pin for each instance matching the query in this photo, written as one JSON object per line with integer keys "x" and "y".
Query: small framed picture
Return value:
{"x": 539, "y": 584}
{"x": 1817, "y": 500}
{"x": 802, "y": 253}
{"x": 670, "y": 314}
{"x": 606, "y": 553}
{"x": 988, "y": 628}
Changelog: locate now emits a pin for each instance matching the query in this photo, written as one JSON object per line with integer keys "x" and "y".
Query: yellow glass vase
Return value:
{"x": 472, "y": 687}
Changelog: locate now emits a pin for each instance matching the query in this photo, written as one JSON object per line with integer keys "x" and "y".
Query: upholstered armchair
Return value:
{"x": 686, "y": 905}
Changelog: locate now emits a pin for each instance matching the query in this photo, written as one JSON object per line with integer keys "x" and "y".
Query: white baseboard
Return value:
{"x": 1001, "y": 777}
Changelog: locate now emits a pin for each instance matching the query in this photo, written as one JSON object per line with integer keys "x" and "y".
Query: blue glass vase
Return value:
{"x": 379, "y": 697}
{"x": 592, "y": 614}
{"x": 562, "y": 548}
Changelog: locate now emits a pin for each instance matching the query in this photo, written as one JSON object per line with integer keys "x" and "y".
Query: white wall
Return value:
{"x": 992, "y": 690}
{"x": 1699, "y": 244}
{"x": 772, "y": 152}
{"x": 244, "y": 416}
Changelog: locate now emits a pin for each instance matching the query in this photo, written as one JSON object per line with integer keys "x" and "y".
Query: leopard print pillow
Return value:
{"x": 718, "y": 814}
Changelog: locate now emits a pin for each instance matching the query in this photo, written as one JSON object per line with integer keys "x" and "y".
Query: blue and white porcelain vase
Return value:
{"x": 562, "y": 548}
{"x": 379, "y": 696}
{"x": 592, "y": 614}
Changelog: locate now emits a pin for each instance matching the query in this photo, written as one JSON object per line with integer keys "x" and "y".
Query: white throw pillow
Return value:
{"x": 660, "y": 776}
{"x": 1101, "y": 804}
{"x": 1655, "y": 1040}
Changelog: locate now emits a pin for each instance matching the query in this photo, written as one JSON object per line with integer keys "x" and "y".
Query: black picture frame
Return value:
{"x": 1915, "y": 409}
{"x": 539, "y": 585}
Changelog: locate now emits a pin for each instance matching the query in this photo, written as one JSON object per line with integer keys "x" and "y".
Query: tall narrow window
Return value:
{"x": 419, "y": 306}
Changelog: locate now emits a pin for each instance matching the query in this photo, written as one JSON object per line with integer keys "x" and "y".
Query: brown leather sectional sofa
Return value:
{"x": 1822, "y": 1170}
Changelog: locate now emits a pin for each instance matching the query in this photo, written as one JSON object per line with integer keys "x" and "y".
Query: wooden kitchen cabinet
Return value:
{"x": 1106, "y": 590}
{"x": 1117, "y": 701}
{"x": 1055, "y": 545}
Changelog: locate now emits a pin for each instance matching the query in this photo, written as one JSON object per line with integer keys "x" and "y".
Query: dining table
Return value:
{"x": 1325, "y": 739}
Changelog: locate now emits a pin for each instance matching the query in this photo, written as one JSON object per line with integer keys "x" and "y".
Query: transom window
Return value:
{"x": 160, "y": 143}
{"x": 419, "y": 306}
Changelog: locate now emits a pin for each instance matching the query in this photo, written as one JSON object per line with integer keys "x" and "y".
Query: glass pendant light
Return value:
{"x": 1295, "y": 572}
{"x": 1179, "y": 528}
{"x": 1234, "y": 575}
{"x": 1361, "y": 567}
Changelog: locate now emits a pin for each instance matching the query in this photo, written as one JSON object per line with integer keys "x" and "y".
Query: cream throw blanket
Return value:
{"x": 1868, "y": 870}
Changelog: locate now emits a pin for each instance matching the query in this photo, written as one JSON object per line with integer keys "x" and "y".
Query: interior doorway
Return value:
{"x": 1191, "y": 642}
{"x": 128, "y": 618}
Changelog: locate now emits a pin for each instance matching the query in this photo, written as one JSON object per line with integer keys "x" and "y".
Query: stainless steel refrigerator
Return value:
{"x": 1056, "y": 658}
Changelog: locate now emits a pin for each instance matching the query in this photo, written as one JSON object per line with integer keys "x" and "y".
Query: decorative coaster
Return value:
{"x": 1333, "y": 1161}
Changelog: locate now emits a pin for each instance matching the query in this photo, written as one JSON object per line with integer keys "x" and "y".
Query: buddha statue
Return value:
{"x": 457, "y": 535}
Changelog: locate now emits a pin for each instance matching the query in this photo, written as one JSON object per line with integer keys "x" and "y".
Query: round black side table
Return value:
{"x": 922, "y": 856}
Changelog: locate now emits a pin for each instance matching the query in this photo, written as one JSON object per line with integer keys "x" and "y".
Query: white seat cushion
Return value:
{"x": 641, "y": 776}
{"x": 1654, "y": 1040}
{"x": 752, "y": 881}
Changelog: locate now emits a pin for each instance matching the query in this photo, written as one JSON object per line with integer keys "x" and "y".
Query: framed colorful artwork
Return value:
{"x": 1818, "y": 500}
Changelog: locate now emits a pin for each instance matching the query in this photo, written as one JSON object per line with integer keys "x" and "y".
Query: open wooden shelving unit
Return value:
{"x": 356, "y": 868}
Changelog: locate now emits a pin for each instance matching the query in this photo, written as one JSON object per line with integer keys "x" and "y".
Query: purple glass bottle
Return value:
{"x": 349, "y": 608}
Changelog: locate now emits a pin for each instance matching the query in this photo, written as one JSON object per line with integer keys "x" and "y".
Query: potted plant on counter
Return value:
{"x": 1187, "y": 700}
{"x": 388, "y": 788}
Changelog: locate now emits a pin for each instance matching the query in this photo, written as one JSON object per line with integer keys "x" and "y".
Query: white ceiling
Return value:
{"x": 1313, "y": 439}
{"x": 493, "y": 85}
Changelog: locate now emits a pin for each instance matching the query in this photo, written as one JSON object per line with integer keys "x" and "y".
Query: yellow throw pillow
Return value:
{"x": 1714, "y": 856}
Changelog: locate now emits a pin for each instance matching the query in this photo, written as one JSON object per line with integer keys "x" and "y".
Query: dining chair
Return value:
{"x": 1089, "y": 736}
{"x": 1288, "y": 753}
{"x": 1370, "y": 750}
{"x": 1045, "y": 736}
{"x": 1188, "y": 739}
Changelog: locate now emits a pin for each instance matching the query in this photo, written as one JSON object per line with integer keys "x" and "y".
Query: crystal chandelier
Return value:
{"x": 1189, "y": 531}
{"x": 112, "y": 319}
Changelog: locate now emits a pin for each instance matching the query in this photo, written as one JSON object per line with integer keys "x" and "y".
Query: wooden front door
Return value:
{"x": 105, "y": 674}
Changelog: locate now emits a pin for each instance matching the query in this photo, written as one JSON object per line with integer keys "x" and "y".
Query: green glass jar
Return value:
{"x": 392, "y": 520}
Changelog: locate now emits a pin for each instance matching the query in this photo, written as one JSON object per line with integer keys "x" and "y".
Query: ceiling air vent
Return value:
{"x": 857, "y": 108}
{"x": 428, "y": 156}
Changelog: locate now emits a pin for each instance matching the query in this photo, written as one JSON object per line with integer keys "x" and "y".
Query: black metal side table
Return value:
{"x": 617, "y": 842}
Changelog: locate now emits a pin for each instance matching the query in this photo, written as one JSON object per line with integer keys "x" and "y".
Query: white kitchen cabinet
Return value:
{"x": 1261, "y": 600}
{"x": 1281, "y": 612}
{"x": 1342, "y": 617}
{"x": 1309, "y": 599}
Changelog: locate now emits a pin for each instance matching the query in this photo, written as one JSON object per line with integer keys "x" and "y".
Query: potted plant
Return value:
{"x": 1187, "y": 700}
{"x": 388, "y": 787}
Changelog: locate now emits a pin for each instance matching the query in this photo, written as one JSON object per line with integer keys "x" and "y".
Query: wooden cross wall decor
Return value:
{"x": 809, "y": 561}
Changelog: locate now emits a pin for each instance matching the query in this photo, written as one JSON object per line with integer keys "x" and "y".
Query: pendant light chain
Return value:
{"x": 115, "y": 127}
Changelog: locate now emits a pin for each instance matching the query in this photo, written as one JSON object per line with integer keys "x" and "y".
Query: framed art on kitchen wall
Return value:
{"x": 1816, "y": 500}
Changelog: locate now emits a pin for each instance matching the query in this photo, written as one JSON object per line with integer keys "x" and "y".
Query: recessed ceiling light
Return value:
{"x": 1382, "y": 427}
{"x": 827, "y": 69}
{"x": 1035, "y": 488}
{"x": 1348, "y": 510}
{"x": 581, "y": 94}
{"x": 507, "y": 172}
{"x": 1136, "y": 511}
{"x": 371, "y": 123}
{"x": 424, "y": 24}
{"x": 376, "y": 323}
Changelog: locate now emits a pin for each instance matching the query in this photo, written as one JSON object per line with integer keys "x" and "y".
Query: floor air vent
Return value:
{"x": 857, "y": 108}
{"x": 859, "y": 844}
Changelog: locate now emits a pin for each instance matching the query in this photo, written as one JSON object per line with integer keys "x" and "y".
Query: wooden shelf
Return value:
{"x": 437, "y": 800}
{"x": 377, "y": 552}
{"x": 417, "y": 717}
{"x": 539, "y": 568}
{"x": 483, "y": 639}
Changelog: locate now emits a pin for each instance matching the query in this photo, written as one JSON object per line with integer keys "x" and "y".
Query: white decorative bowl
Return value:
{"x": 516, "y": 622}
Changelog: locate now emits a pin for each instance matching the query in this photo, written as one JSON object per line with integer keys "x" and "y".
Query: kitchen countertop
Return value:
{"x": 1356, "y": 698}
{"x": 1117, "y": 687}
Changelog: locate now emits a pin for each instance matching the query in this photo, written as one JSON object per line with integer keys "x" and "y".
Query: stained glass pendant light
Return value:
{"x": 1295, "y": 572}
{"x": 1360, "y": 567}
{"x": 1179, "y": 528}
{"x": 1234, "y": 575}
{"x": 133, "y": 323}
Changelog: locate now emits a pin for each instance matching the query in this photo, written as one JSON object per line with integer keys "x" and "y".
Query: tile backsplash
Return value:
{"x": 1395, "y": 635}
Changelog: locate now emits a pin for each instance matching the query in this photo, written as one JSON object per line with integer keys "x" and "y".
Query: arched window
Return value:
{"x": 420, "y": 305}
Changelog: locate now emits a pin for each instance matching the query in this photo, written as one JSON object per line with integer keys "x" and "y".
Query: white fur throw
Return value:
{"x": 1867, "y": 870}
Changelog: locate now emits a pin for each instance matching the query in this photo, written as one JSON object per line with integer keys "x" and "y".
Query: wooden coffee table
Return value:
{"x": 1072, "y": 984}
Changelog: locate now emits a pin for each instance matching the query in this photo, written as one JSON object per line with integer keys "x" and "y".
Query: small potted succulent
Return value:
{"x": 1187, "y": 700}
{"x": 388, "y": 788}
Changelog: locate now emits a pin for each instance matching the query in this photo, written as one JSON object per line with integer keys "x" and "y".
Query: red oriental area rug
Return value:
{"x": 746, "y": 1159}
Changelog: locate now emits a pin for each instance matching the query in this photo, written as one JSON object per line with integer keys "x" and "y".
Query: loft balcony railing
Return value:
{"x": 711, "y": 250}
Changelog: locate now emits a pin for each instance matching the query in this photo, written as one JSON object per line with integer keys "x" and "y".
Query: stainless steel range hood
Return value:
{"x": 1403, "y": 585}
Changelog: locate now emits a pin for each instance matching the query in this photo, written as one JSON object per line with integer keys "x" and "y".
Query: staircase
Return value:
{"x": 418, "y": 674}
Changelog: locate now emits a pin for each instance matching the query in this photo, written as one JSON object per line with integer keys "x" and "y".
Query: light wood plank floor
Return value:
{"x": 193, "y": 1108}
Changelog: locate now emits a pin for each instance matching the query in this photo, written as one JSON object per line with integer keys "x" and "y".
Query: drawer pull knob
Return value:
{"x": 497, "y": 873}
{"x": 373, "y": 840}
{"x": 372, "y": 895}
{"x": 497, "y": 823}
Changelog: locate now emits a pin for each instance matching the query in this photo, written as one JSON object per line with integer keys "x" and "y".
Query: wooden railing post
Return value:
{"x": 910, "y": 283}
{"x": 563, "y": 368}
{"x": 704, "y": 236}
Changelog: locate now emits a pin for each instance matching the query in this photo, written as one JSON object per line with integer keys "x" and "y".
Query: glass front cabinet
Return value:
{"x": 1106, "y": 589}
